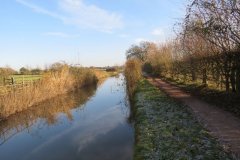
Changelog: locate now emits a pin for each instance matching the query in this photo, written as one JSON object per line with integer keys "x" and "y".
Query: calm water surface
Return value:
{"x": 90, "y": 124}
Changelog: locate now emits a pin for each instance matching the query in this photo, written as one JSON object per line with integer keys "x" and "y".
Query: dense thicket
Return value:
{"x": 207, "y": 47}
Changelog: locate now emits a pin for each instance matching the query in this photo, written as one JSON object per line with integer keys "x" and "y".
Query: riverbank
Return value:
{"x": 59, "y": 79}
{"x": 48, "y": 110}
{"x": 165, "y": 129}
{"x": 90, "y": 125}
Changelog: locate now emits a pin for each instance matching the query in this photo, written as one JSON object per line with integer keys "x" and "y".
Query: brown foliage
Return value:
{"x": 207, "y": 47}
{"x": 58, "y": 80}
{"x": 133, "y": 73}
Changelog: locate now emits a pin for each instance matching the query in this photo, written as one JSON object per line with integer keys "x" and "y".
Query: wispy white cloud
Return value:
{"x": 77, "y": 13}
{"x": 159, "y": 35}
{"x": 162, "y": 34}
{"x": 38, "y": 9}
{"x": 158, "y": 32}
{"x": 90, "y": 16}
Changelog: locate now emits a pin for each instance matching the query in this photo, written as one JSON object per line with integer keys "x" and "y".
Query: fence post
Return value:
{"x": 23, "y": 79}
{"x": 12, "y": 80}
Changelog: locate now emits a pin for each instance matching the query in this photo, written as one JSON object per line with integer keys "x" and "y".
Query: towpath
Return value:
{"x": 221, "y": 124}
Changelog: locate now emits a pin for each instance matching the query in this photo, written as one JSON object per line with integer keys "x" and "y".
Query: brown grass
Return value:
{"x": 56, "y": 81}
{"x": 100, "y": 74}
{"x": 133, "y": 73}
{"x": 47, "y": 110}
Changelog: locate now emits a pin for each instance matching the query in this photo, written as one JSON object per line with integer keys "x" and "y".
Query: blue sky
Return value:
{"x": 36, "y": 33}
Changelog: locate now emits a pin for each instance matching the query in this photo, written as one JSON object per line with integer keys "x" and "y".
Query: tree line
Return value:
{"x": 7, "y": 71}
{"x": 206, "y": 47}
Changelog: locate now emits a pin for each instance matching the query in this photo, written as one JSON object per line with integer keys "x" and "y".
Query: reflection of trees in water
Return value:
{"x": 126, "y": 101}
{"x": 47, "y": 111}
{"x": 120, "y": 86}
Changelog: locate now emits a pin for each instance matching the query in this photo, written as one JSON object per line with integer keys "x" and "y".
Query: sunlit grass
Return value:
{"x": 56, "y": 81}
{"x": 166, "y": 129}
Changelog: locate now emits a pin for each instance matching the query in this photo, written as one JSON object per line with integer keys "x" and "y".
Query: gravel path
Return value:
{"x": 221, "y": 124}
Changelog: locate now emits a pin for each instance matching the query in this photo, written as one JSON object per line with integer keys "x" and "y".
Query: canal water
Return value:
{"x": 90, "y": 124}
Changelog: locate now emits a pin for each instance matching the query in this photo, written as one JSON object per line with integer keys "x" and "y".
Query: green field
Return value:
{"x": 26, "y": 78}
{"x": 19, "y": 79}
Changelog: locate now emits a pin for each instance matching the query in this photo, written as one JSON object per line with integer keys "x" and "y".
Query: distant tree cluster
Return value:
{"x": 6, "y": 71}
{"x": 27, "y": 71}
{"x": 207, "y": 46}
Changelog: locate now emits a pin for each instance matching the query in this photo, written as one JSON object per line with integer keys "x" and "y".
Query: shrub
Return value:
{"x": 133, "y": 73}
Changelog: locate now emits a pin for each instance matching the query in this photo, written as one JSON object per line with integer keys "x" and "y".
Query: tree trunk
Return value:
{"x": 233, "y": 80}
{"x": 204, "y": 76}
{"x": 193, "y": 70}
{"x": 193, "y": 75}
{"x": 227, "y": 82}
{"x": 221, "y": 82}
{"x": 227, "y": 73}
{"x": 217, "y": 77}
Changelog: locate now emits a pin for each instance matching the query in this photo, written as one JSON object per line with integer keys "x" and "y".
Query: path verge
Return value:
{"x": 221, "y": 124}
{"x": 165, "y": 129}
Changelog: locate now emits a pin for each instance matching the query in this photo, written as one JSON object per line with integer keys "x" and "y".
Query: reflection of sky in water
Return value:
{"x": 97, "y": 131}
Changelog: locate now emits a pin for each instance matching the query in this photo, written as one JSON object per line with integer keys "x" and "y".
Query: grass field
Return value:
{"x": 15, "y": 81}
{"x": 19, "y": 79}
{"x": 26, "y": 78}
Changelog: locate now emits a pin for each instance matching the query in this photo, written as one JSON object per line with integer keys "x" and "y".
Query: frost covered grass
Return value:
{"x": 166, "y": 129}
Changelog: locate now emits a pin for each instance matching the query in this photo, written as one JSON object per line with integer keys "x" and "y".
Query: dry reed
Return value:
{"x": 133, "y": 73}
{"x": 55, "y": 82}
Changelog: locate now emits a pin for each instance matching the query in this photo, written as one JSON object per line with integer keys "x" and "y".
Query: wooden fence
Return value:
{"x": 17, "y": 83}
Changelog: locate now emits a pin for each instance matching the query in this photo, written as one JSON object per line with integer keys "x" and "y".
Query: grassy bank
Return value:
{"x": 59, "y": 79}
{"x": 48, "y": 110}
{"x": 167, "y": 130}
{"x": 210, "y": 94}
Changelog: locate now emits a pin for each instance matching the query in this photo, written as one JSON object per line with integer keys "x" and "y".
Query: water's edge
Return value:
{"x": 72, "y": 126}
